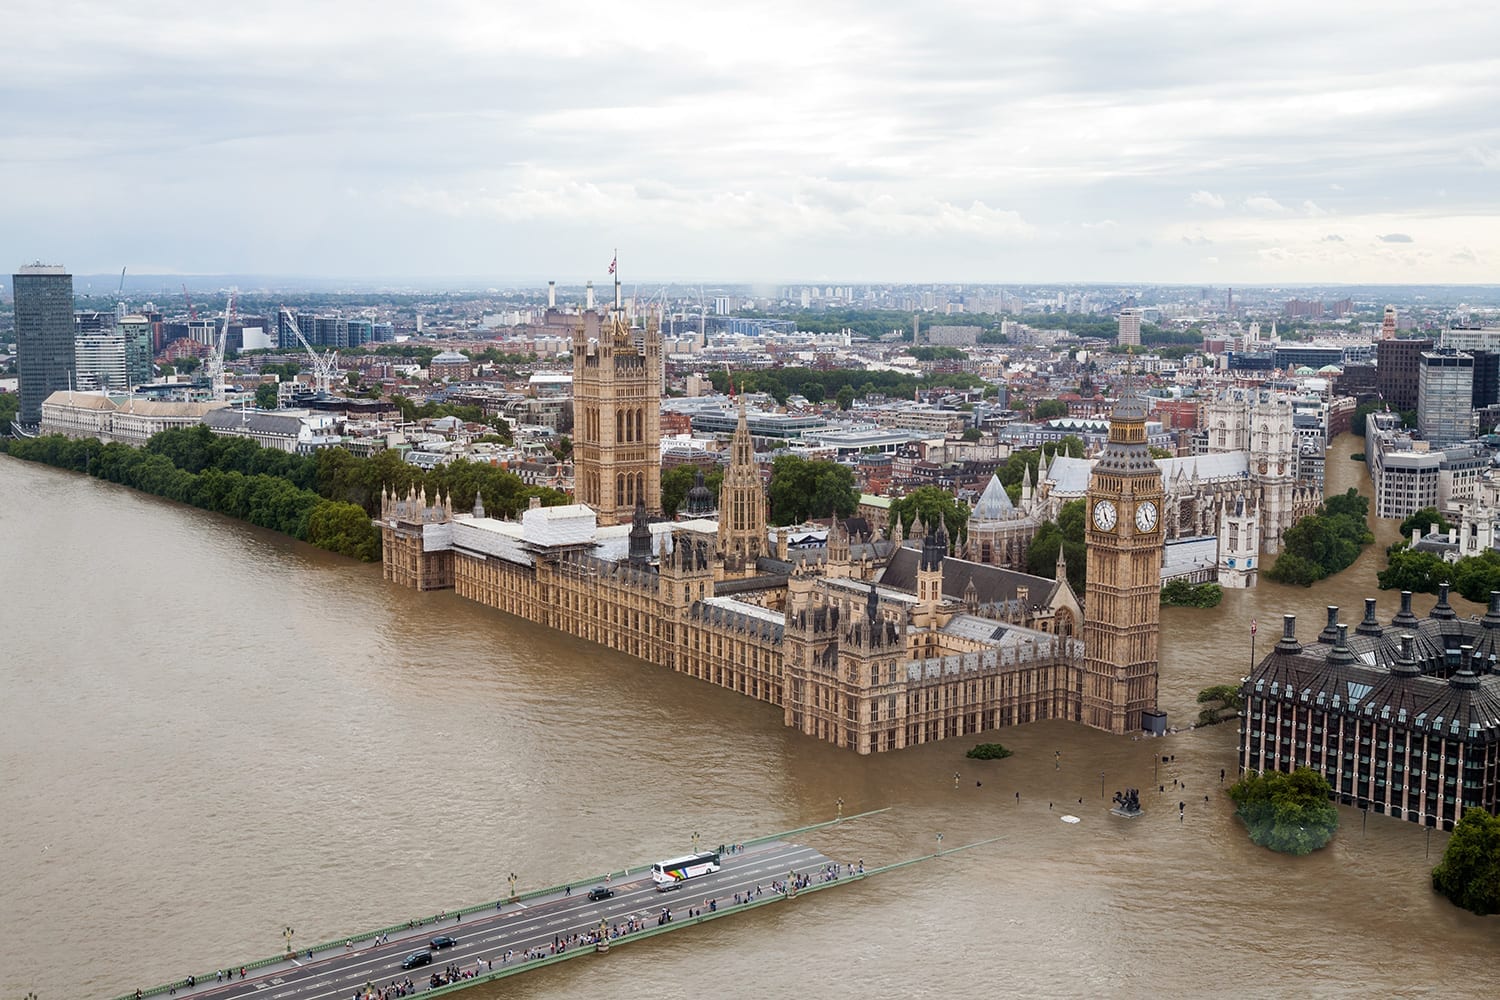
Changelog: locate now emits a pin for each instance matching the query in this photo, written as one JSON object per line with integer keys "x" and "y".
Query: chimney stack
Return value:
{"x": 551, "y": 295}
{"x": 588, "y": 295}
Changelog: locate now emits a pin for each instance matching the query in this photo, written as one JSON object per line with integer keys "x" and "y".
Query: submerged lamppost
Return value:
{"x": 840, "y": 804}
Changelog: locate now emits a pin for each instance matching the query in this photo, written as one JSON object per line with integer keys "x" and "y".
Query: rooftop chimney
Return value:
{"x": 1404, "y": 618}
{"x": 1330, "y": 631}
{"x": 1288, "y": 643}
{"x": 1369, "y": 626}
{"x": 551, "y": 295}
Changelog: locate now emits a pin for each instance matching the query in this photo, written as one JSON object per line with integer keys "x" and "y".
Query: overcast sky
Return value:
{"x": 995, "y": 141}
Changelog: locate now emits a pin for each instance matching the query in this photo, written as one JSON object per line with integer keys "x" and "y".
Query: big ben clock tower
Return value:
{"x": 1122, "y": 599}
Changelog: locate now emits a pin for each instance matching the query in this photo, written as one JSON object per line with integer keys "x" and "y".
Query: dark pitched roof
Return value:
{"x": 993, "y": 584}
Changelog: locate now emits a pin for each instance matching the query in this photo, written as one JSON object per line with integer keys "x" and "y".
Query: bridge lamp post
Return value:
{"x": 286, "y": 934}
{"x": 512, "y": 881}
{"x": 939, "y": 843}
{"x": 840, "y": 804}
{"x": 695, "y": 841}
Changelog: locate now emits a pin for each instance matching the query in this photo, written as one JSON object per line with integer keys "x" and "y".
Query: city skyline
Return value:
{"x": 1273, "y": 146}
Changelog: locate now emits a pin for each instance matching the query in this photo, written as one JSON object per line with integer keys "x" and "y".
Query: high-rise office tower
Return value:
{"x": 1130, "y": 328}
{"x": 1445, "y": 391}
{"x": 99, "y": 361}
{"x": 44, "y": 334}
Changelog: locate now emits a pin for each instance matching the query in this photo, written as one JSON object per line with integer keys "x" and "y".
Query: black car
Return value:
{"x": 417, "y": 958}
{"x": 443, "y": 941}
{"x": 601, "y": 892}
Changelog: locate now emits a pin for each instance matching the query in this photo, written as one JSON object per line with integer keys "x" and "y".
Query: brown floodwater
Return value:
{"x": 212, "y": 732}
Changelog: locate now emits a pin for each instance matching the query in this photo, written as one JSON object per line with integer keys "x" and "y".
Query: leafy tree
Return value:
{"x": 802, "y": 489}
{"x": 1159, "y": 452}
{"x": 10, "y": 405}
{"x": 972, "y": 434}
{"x": 845, "y": 396}
{"x": 1218, "y": 700}
{"x": 344, "y": 528}
{"x": 1047, "y": 409}
{"x": 927, "y": 504}
{"x": 1475, "y": 576}
{"x": 1067, "y": 534}
{"x": 676, "y": 481}
{"x": 1469, "y": 874}
{"x": 187, "y": 364}
{"x": 265, "y": 396}
{"x": 1419, "y": 572}
{"x": 814, "y": 391}
{"x": 1289, "y": 813}
{"x": 1326, "y": 542}
{"x": 989, "y": 751}
{"x": 1180, "y": 593}
{"x": 936, "y": 353}
{"x": 1423, "y": 519}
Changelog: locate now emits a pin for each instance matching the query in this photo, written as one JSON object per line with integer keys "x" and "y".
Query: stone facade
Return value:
{"x": 865, "y": 646}
{"x": 617, "y": 389}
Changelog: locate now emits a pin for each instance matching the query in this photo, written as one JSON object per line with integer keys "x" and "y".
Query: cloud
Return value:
{"x": 1333, "y": 238}
{"x": 1464, "y": 255}
{"x": 1396, "y": 238}
{"x": 1196, "y": 240}
{"x": 1210, "y": 260}
{"x": 1206, "y": 199}
{"x": 1311, "y": 208}
{"x": 1489, "y": 159}
{"x": 1264, "y": 205}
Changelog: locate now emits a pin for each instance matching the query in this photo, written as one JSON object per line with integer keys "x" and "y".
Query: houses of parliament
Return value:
{"x": 871, "y": 643}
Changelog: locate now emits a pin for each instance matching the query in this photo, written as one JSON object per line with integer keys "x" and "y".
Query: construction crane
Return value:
{"x": 325, "y": 366}
{"x": 216, "y": 361}
{"x": 192, "y": 309}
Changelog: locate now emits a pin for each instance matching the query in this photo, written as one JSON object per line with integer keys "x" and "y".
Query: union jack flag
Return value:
{"x": 613, "y": 261}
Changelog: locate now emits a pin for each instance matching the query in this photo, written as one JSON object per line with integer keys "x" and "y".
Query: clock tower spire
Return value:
{"x": 1122, "y": 599}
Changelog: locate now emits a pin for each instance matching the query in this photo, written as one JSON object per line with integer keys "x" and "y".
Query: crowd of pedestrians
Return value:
{"x": 397, "y": 988}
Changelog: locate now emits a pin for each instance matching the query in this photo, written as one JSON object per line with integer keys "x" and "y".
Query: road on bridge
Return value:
{"x": 515, "y": 928}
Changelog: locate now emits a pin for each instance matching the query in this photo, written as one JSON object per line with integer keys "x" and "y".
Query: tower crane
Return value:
{"x": 325, "y": 366}
{"x": 216, "y": 361}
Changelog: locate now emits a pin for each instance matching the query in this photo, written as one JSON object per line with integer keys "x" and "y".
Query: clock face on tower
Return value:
{"x": 1105, "y": 515}
{"x": 1145, "y": 516}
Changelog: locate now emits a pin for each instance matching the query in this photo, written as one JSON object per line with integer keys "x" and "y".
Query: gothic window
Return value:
{"x": 640, "y": 416}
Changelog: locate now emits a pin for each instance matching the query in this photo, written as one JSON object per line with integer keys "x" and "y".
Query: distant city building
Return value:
{"x": 450, "y": 365}
{"x": 1397, "y": 363}
{"x": 44, "y": 335}
{"x": 136, "y": 330}
{"x": 953, "y": 336}
{"x": 1388, "y": 324}
{"x": 1445, "y": 392}
{"x": 99, "y": 361}
{"x": 110, "y": 417}
{"x": 1130, "y": 328}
